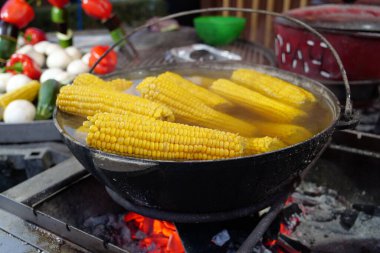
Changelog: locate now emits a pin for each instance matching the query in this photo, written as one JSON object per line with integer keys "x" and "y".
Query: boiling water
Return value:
{"x": 319, "y": 117}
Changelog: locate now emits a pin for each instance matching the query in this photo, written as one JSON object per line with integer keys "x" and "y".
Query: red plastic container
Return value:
{"x": 353, "y": 30}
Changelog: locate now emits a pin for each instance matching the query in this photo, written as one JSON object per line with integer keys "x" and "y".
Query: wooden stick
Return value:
{"x": 268, "y": 24}
{"x": 254, "y": 21}
{"x": 239, "y": 5}
{"x": 303, "y": 3}
{"x": 226, "y": 3}
{"x": 286, "y": 6}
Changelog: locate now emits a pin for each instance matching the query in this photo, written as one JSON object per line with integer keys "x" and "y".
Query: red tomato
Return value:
{"x": 107, "y": 64}
{"x": 59, "y": 3}
{"x": 17, "y": 12}
{"x": 100, "y": 9}
{"x": 34, "y": 35}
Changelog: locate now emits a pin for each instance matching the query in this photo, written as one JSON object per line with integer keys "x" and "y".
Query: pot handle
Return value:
{"x": 347, "y": 120}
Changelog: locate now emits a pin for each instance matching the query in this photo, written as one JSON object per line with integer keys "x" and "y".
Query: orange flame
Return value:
{"x": 161, "y": 236}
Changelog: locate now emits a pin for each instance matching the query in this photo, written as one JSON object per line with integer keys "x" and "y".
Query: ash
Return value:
{"x": 328, "y": 223}
{"x": 112, "y": 229}
{"x": 370, "y": 118}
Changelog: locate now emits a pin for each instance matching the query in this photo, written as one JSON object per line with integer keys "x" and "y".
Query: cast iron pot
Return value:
{"x": 193, "y": 188}
{"x": 204, "y": 186}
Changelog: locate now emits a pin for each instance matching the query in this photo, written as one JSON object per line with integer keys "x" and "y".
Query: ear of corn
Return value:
{"x": 256, "y": 102}
{"x": 202, "y": 81}
{"x": 288, "y": 133}
{"x": 28, "y": 92}
{"x": 87, "y": 101}
{"x": 189, "y": 109}
{"x": 273, "y": 87}
{"x": 120, "y": 84}
{"x": 139, "y": 136}
{"x": 209, "y": 98}
{"x": 96, "y": 82}
{"x": 262, "y": 145}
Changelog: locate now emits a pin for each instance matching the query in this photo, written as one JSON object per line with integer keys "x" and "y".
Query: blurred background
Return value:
{"x": 136, "y": 12}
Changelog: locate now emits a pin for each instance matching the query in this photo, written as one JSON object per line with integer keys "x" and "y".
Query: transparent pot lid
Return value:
{"x": 343, "y": 17}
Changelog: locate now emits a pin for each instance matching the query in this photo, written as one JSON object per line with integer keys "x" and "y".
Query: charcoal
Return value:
{"x": 125, "y": 234}
{"x": 367, "y": 209}
{"x": 95, "y": 221}
{"x": 290, "y": 210}
{"x": 348, "y": 218}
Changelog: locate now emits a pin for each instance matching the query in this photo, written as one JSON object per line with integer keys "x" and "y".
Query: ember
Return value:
{"x": 158, "y": 236}
{"x": 136, "y": 233}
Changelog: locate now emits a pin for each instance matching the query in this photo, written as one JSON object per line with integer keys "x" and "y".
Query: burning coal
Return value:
{"x": 136, "y": 233}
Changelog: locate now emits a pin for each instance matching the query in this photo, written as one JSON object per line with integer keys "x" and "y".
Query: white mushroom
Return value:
{"x": 41, "y": 47}
{"x": 51, "y": 48}
{"x": 50, "y": 74}
{"x": 86, "y": 58}
{"x": 4, "y": 77}
{"x": 77, "y": 67}
{"x": 73, "y": 52}
{"x": 64, "y": 78}
{"x": 17, "y": 81}
{"x": 58, "y": 59}
{"x": 36, "y": 56}
{"x": 19, "y": 111}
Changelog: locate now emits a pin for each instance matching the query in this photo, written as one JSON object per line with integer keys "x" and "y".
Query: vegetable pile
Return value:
{"x": 40, "y": 61}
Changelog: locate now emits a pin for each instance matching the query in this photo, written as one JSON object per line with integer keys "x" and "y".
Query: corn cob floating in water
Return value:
{"x": 189, "y": 109}
{"x": 141, "y": 136}
{"x": 209, "y": 98}
{"x": 262, "y": 145}
{"x": 86, "y": 79}
{"x": 273, "y": 87}
{"x": 288, "y": 133}
{"x": 258, "y": 103}
{"x": 87, "y": 101}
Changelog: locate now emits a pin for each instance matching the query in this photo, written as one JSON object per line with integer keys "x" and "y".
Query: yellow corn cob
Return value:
{"x": 120, "y": 84}
{"x": 290, "y": 134}
{"x": 189, "y": 109}
{"x": 87, "y": 101}
{"x": 211, "y": 99}
{"x": 273, "y": 87}
{"x": 262, "y": 145}
{"x": 256, "y": 102}
{"x": 202, "y": 81}
{"x": 94, "y": 81}
{"x": 140, "y": 136}
{"x": 28, "y": 92}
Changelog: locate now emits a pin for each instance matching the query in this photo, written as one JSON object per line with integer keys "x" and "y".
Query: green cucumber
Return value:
{"x": 46, "y": 99}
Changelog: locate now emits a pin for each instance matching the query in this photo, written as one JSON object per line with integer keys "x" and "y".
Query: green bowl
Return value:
{"x": 218, "y": 30}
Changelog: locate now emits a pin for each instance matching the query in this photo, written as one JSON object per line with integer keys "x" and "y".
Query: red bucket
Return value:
{"x": 353, "y": 30}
